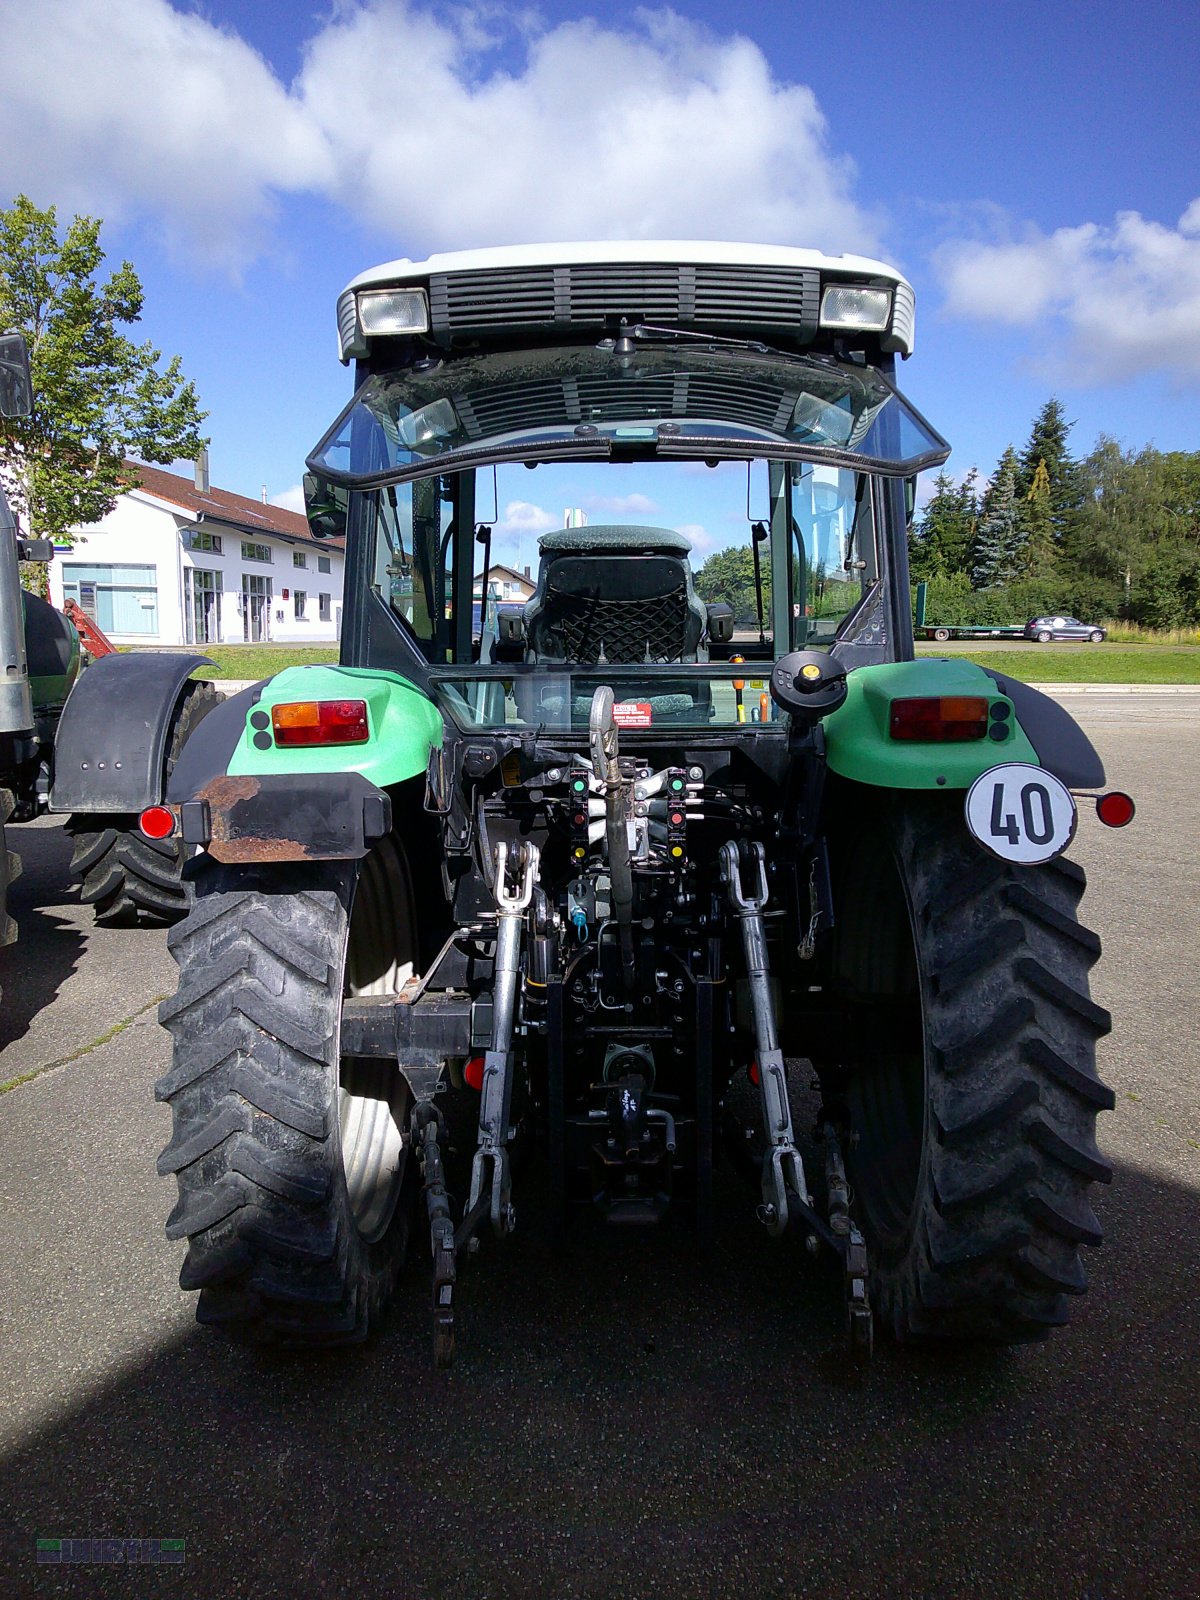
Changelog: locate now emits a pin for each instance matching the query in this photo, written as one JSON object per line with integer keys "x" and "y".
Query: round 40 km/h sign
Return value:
{"x": 1021, "y": 813}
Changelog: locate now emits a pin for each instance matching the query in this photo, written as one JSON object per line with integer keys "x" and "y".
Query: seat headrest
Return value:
{"x": 610, "y": 537}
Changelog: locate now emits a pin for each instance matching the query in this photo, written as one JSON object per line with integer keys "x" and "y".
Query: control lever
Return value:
{"x": 604, "y": 739}
{"x": 496, "y": 1097}
{"x": 808, "y": 684}
{"x": 782, "y": 1166}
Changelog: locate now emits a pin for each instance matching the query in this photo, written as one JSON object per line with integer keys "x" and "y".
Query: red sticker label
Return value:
{"x": 632, "y": 714}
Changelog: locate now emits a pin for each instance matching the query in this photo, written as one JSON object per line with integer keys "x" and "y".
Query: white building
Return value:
{"x": 178, "y": 562}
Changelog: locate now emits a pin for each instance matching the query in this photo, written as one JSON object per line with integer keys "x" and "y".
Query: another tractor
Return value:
{"x": 97, "y": 745}
{"x": 573, "y": 880}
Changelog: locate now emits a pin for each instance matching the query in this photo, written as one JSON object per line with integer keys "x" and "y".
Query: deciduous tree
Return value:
{"x": 99, "y": 397}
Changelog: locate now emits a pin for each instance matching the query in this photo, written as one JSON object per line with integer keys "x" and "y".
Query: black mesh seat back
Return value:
{"x": 614, "y": 595}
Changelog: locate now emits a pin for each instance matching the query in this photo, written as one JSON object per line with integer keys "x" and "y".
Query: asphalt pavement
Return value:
{"x": 632, "y": 1420}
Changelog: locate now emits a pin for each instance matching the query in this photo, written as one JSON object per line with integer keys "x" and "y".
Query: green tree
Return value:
{"x": 728, "y": 575}
{"x": 1139, "y": 531}
{"x": 992, "y": 554}
{"x": 100, "y": 398}
{"x": 1060, "y": 499}
{"x": 1038, "y": 553}
{"x": 940, "y": 539}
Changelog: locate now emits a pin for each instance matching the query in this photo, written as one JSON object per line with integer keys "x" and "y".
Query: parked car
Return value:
{"x": 1043, "y": 629}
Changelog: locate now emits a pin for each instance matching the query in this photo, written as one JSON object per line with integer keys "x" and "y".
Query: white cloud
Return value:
{"x": 621, "y": 505}
{"x": 440, "y": 129}
{"x": 1116, "y": 301}
{"x": 521, "y": 516}
{"x": 291, "y": 499}
{"x": 129, "y": 106}
{"x": 698, "y": 537}
{"x": 658, "y": 128}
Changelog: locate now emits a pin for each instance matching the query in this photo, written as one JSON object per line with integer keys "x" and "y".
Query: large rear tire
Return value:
{"x": 295, "y": 1183}
{"x": 133, "y": 881}
{"x": 973, "y": 1090}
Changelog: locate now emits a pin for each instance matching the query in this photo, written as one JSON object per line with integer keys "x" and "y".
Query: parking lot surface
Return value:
{"x": 633, "y": 1420}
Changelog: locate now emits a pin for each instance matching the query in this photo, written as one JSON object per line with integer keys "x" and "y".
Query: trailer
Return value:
{"x": 944, "y": 630}
{"x": 941, "y": 631}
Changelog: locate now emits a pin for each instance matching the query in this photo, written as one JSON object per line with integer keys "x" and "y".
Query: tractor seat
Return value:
{"x": 614, "y": 594}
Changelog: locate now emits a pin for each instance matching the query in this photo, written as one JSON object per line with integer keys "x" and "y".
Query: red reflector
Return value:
{"x": 308, "y": 722}
{"x": 157, "y": 822}
{"x": 1115, "y": 809}
{"x": 941, "y": 719}
{"x": 473, "y": 1073}
{"x": 755, "y": 1079}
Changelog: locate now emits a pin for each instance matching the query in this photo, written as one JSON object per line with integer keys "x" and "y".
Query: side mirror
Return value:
{"x": 16, "y": 383}
{"x": 327, "y": 506}
{"x": 720, "y": 622}
{"x": 510, "y": 633}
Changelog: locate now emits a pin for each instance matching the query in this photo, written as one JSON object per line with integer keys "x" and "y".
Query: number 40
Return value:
{"x": 1006, "y": 826}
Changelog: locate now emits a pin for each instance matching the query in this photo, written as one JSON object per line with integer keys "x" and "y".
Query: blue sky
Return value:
{"x": 1034, "y": 169}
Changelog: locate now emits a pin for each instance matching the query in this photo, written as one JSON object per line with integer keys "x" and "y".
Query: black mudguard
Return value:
{"x": 111, "y": 744}
{"x": 1061, "y": 744}
{"x": 312, "y": 816}
{"x": 209, "y": 751}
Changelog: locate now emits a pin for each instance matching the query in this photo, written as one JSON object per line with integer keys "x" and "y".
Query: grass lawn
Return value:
{"x": 1038, "y": 664}
{"x": 1087, "y": 663}
{"x": 262, "y": 661}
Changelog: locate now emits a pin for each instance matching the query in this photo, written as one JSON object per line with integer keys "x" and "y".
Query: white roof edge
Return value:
{"x": 699, "y": 252}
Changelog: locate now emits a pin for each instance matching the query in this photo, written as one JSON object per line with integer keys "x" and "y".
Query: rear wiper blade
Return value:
{"x": 649, "y": 333}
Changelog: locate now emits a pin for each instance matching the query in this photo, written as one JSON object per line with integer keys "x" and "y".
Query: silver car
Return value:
{"x": 1043, "y": 629}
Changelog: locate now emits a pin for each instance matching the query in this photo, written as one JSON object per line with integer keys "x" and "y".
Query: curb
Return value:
{"x": 1117, "y": 688}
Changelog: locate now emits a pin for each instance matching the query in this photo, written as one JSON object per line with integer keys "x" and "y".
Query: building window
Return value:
{"x": 299, "y": 559}
{"x": 324, "y": 603}
{"x": 201, "y": 539}
{"x": 201, "y": 606}
{"x": 300, "y": 600}
{"x": 323, "y": 564}
{"x": 256, "y": 552}
{"x": 121, "y": 599}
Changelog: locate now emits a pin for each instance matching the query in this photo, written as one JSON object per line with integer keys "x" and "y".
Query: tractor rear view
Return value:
{"x": 572, "y": 880}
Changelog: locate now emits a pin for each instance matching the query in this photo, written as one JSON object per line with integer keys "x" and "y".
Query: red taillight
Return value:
{"x": 309, "y": 722}
{"x": 157, "y": 822}
{"x": 941, "y": 719}
{"x": 473, "y": 1073}
{"x": 1115, "y": 809}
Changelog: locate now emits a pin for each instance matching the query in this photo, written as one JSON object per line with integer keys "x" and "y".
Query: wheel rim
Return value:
{"x": 373, "y": 1097}
{"x": 888, "y": 1090}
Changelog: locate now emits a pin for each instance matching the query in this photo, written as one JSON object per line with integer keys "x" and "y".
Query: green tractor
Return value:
{"x": 569, "y": 877}
{"x": 62, "y": 746}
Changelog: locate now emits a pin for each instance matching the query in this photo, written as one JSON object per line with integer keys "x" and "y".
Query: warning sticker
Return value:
{"x": 632, "y": 714}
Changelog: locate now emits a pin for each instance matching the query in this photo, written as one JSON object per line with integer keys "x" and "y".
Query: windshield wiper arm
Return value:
{"x": 649, "y": 333}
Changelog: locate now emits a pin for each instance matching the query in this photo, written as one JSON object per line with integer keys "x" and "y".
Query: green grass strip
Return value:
{"x": 1092, "y": 664}
{"x": 85, "y": 1049}
{"x": 262, "y": 661}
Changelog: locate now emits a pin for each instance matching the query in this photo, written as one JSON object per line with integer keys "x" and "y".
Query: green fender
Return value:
{"x": 859, "y": 745}
{"x": 404, "y": 727}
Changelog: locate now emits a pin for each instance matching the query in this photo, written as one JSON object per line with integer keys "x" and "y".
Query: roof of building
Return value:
{"x": 221, "y": 505}
{"x": 498, "y": 566}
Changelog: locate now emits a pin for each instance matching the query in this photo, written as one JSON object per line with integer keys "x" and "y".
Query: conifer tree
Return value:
{"x": 994, "y": 548}
{"x": 941, "y": 539}
{"x": 1047, "y": 447}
